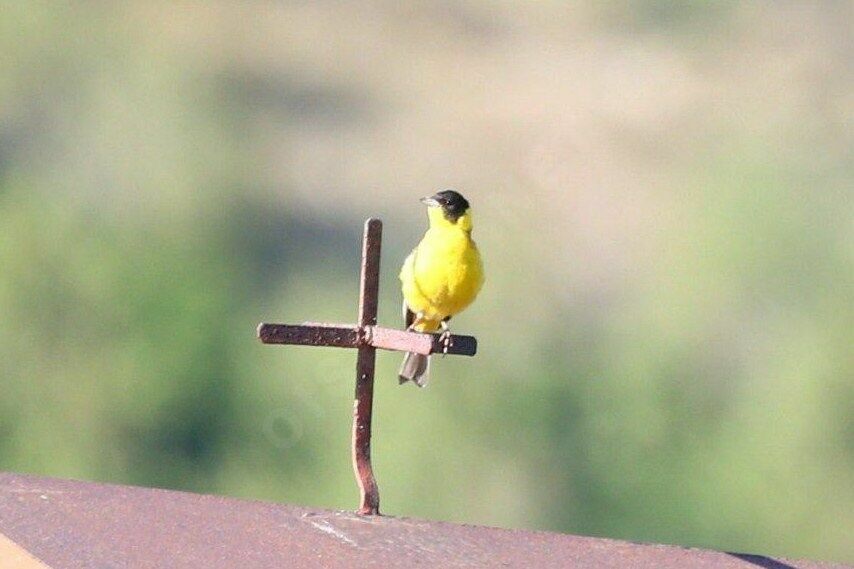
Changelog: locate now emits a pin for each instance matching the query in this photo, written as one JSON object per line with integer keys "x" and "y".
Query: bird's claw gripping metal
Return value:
{"x": 445, "y": 338}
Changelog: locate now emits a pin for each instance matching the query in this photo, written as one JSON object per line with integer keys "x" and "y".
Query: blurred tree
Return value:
{"x": 664, "y": 213}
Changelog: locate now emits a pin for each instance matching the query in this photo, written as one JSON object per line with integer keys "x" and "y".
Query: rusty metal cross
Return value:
{"x": 365, "y": 336}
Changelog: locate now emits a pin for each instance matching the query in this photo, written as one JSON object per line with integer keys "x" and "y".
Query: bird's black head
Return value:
{"x": 452, "y": 203}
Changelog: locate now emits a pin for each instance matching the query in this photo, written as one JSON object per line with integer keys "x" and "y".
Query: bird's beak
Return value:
{"x": 430, "y": 201}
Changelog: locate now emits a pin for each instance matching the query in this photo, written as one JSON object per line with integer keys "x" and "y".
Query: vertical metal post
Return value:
{"x": 365, "y": 363}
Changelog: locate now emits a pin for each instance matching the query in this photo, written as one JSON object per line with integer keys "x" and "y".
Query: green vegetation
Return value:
{"x": 665, "y": 216}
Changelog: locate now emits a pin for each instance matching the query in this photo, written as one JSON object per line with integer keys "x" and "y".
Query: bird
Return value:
{"x": 440, "y": 278}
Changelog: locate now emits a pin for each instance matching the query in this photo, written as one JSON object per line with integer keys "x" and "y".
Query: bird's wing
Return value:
{"x": 407, "y": 272}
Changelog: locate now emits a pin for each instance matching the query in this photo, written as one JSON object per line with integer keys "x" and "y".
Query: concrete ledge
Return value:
{"x": 64, "y": 524}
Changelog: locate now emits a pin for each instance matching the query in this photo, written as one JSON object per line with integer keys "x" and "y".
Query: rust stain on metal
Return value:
{"x": 84, "y": 524}
{"x": 302, "y": 335}
{"x": 348, "y": 336}
{"x": 369, "y": 495}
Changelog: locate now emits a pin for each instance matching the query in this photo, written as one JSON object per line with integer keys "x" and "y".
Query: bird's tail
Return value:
{"x": 415, "y": 368}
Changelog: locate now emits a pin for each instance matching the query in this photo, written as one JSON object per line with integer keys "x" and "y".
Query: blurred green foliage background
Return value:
{"x": 663, "y": 197}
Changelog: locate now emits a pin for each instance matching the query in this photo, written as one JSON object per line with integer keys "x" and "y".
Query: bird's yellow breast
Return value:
{"x": 443, "y": 275}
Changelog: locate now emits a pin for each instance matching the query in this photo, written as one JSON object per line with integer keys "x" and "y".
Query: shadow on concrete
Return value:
{"x": 762, "y": 561}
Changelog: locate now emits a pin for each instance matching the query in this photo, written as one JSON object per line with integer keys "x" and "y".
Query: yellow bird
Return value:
{"x": 440, "y": 278}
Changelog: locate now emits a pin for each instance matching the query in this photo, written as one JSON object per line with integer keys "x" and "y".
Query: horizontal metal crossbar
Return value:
{"x": 350, "y": 336}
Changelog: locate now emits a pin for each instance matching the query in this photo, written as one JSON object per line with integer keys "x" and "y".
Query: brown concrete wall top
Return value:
{"x": 66, "y": 524}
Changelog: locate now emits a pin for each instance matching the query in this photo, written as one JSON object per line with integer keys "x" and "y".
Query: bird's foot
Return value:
{"x": 416, "y": 321}
{"x": 445, "y": 338}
